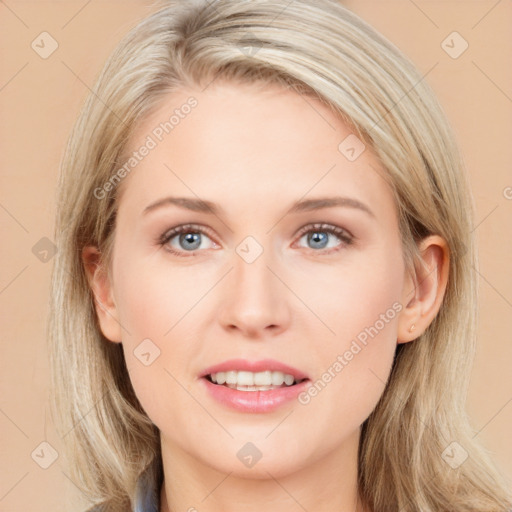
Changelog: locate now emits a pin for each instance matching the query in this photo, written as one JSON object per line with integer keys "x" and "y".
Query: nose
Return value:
{"x": 255, "y": 301}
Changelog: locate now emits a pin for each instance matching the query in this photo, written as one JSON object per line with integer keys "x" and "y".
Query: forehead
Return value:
{"x": 248, "y": 147}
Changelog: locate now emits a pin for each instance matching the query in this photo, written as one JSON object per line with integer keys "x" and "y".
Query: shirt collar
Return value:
{"x": 147, "y": 491}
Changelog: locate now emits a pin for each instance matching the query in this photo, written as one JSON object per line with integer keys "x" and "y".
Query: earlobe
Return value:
{"x": 424, "y": 291}
{"x": 101, "y": 288}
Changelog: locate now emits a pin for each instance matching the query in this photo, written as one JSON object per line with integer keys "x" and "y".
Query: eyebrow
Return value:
{"x": 306, "y": 205}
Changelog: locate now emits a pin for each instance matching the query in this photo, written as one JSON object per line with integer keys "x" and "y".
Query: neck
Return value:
{"x": 325, "y": 484}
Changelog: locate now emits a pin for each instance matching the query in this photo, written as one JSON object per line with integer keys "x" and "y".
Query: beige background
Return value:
{"x": 40, "y": 98}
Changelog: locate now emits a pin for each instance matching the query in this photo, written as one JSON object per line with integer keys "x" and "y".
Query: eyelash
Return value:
{"x": 346, "y": 238}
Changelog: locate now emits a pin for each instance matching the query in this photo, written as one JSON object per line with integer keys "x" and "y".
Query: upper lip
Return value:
{"x": 255, "y": 366}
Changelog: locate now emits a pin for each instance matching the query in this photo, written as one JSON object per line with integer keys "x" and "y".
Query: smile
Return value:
{"x": 251, "y": 381}
{"x": 254, "y": 386}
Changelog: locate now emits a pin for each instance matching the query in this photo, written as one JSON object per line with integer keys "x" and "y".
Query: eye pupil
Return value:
{"x": 319, "y": 239}
{"x": 193, "y": 238}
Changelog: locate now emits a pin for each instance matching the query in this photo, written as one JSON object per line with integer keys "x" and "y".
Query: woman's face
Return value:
{"x": 283, "y": 270}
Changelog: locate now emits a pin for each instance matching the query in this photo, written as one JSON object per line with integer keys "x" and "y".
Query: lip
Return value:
{"x": 254, "y": 401}
{"x": 255, "y": 366}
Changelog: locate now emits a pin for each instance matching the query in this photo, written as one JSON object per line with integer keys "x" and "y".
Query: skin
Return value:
{"x": 255, "y": 151}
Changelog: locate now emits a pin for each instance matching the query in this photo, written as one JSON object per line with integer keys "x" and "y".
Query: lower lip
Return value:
{"x": 254, "y": 401}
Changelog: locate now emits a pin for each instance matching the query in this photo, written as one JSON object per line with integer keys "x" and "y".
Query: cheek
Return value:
{"x": 145, "y": 306}
{"x": 361, "y": 308}
{"x": 153, "y": 297}
{"x": 362, "y": 291}
{"x": 158, "y": 309}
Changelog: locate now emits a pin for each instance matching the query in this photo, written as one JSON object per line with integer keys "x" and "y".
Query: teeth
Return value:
{"x": 250, "y": 381}
{"x": 263, "y": 378}
{"x": 288, "y": 380}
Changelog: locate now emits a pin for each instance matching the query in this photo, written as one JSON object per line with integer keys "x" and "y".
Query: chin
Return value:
{"x": 256, "y": 459}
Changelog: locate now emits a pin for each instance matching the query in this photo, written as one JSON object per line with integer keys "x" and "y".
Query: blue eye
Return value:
{"x": 321, "y": 235}
{"x": 191, "y": 241}
{"x": 320, "y": 239}
{"x": 190, "y": 238}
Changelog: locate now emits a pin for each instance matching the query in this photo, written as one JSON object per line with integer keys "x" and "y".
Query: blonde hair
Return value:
{"x": 318, "y": 48}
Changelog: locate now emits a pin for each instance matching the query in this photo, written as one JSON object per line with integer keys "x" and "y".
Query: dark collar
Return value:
{"x": 149, "y": 484}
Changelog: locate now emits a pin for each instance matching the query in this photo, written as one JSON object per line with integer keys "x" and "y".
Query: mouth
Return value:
{"x": 243, "y": 380}
{"x": 245, "y": 375}
{"x": 254, "y": 386}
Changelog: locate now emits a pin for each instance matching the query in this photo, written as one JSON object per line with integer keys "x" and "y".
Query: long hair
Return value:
{"x": 320, "y": 49}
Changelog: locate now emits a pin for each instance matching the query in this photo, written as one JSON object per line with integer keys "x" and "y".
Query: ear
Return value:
{"x": 103, "y": 294}
{"x": 424, "y": 289}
